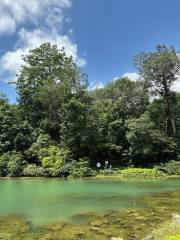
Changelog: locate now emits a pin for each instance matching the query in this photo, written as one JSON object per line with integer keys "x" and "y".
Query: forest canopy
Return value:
{"x": 59, "y": 127}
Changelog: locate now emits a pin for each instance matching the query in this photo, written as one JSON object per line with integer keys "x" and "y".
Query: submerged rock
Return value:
{"x": 176, "y": 217}
{"x": 116, "y": 238}
{"x": 149, "y": 237}
{"x": 96, "y": 229}
{"x": 96, "y": 224}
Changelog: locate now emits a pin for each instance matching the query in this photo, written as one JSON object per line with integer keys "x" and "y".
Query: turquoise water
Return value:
{"x": 43, "y": 201}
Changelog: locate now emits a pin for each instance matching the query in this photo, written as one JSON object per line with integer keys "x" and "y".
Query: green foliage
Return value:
{"x": 76, "y": 169}
{"x": 145, "y": 140}
{"x": 141, "y": 173}
{"x": 47, "y": 80}
{"x": 77, "y": 128}
{"x": 32, "y": 170}
{"x": 160, "y": 69}
{"x": 113, "y": 106}
{"x": 58, "y": 120}
{"x": 79, "y": 172}
{"x": 129, "y": 98}
{"x": 81, "y": 169}
{"x": 43, "y": 141}
{"x": 170, "y": 168}
{"x": 65, "y": 170}
{"x": 108, "y": 172}
{"x": 3, "y": 165}
{"x": 53, "y": 158}
{"x": 15, "y": 164}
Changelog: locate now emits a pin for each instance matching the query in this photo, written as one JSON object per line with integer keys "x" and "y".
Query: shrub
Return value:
{"x": 146, "y": 140}
{"x": 34, "y": 171}
{"x": 76, "y": 169}
{"x": 108, "y": 172}
{"x": 3, "y": 165}
{"x": 78, "y": 172}
{"x": 170, "y": 168}
{"x": 65, "y": 170}
{"x": 82, "y": 169}
{"x": 141, "y": 173}
{"x": 11, "y": 164}
{"x": 15, "y": 164}
{"x": 54, "y": 157}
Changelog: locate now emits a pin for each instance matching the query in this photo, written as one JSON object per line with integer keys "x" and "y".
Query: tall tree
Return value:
{"x": 47, "y": 79}
{"x": 160, "y": 70}
{"x": 147, "y": 143}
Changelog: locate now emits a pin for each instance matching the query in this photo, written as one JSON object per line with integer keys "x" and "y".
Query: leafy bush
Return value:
{"x": 15, "y": 164}
{"x": 3, "y": 165}
{"x": 78, "y": 172}
{"x": 43, "y": 141}
{"x": 82, "y": 169}
{"x": 76, "y": 169}
{"x": 54, "y": 157}
{"x": 141, "y": 173}
{"x": 65, "y": 170}
{"x": 170, "y": 168}
{"x": 146, "y": 140}
{"x": 34, "y": 171}
{"x": 108, "y": 172}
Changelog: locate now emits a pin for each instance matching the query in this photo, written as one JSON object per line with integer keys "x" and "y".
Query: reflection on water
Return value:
{"x": 84, "y": 209}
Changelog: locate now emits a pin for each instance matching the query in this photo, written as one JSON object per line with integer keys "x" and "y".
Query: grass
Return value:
{"x": 141, "y": 173}
{"x": 135, "y": 174}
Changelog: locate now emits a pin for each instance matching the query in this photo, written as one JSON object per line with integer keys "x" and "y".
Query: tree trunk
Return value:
{"x": 170, "y": 114}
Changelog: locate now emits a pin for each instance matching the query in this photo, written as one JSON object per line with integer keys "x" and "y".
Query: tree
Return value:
{"x": 15, "y": 164}
{"x": 114, "y": 104}
{"x": 129, "y": 98}
{"x": 46, "y": 81}
{"x": 15, "y": 133}
{"x": 157, "y": 114}
{"x": 77, "y": 130}
{"x": 147, "y": 143}
{"x": 160, "y": 69}
{"x": 53, "y": 158}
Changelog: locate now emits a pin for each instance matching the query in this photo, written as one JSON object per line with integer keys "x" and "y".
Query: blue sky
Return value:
{"x": 102, "y": 35}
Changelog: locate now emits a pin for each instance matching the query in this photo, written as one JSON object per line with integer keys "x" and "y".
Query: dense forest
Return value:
{"x": 59, "y": 127}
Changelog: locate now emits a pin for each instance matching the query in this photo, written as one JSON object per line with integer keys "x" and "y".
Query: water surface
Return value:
{"x": 48, "y": 201}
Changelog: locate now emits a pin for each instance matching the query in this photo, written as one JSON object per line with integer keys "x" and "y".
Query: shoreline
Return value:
{"x": 171, "y": 177}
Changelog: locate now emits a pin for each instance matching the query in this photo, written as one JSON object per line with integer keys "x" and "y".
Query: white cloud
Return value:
{"x": 47, "y": 18}
{"x": 20, "y": 11}
{"x": 115, "y": 78}
{"x": 11, "y": 61}
{"x": 96, "y": 85}
{"x": 131, "y": 75}
{"x": 134, "y": 77}
{"x": 176, "y": 86}
{"x": 7, "y": 24}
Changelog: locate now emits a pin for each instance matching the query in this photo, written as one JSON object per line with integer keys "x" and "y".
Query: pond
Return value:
{"x": 84, "y": 209}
